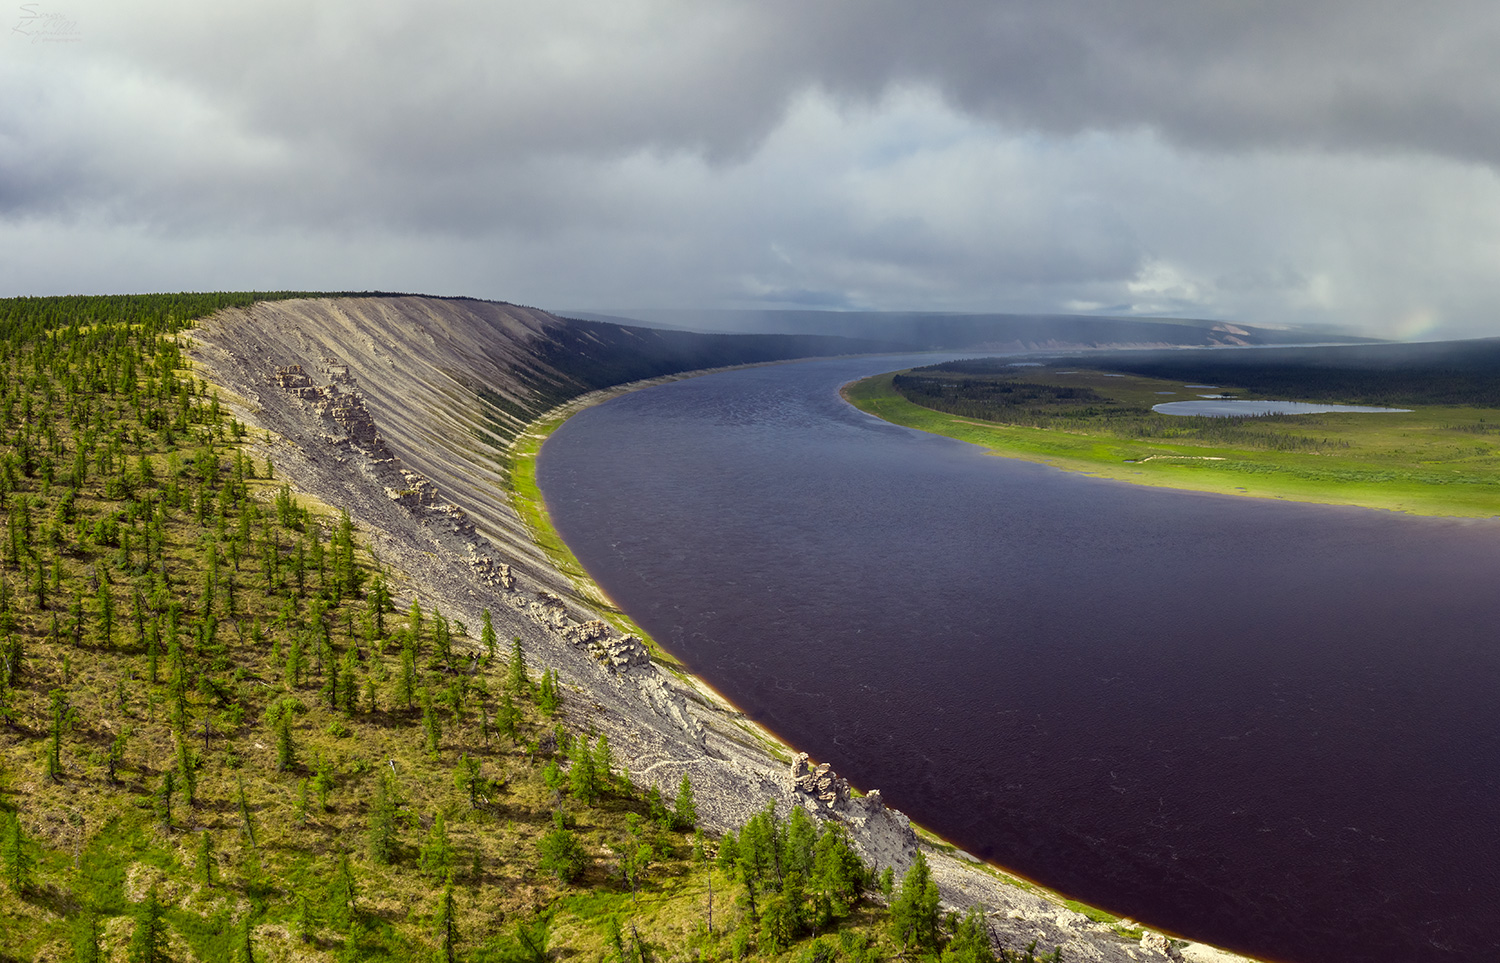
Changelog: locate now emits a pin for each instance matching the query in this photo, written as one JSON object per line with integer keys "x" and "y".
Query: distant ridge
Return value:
{"x": 955, "y": 331}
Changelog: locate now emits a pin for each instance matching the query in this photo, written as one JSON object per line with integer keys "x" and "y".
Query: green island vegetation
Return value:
{"x": 222, "y": 740}
{"x": 1093, "y": 414}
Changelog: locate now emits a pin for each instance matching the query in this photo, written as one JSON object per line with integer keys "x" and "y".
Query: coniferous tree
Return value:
{"x": 604, "y": 763}
{"x": 148, "y": 939}
{"x": 106, "y": 602}
{"x": 330, "y": 691}
{"x": 656, "y": 809}
{"x": 244, "y": 950}
{"x": 187, "y": 773}
{"x": 970, "y": 942}
{"x": 700, "y": 856}
{"x": 15, "y": 852}
{"x": 517, "y": 680}
{"x": 286, "y": 750}
{"x": 507, "y": 719}
{"x": 88, "y": 938}
{"x": 685, "y": 807}
{"x": 531, "y": 940}
{"x": 455, "y": 695}
{"x": 406, "y": 680}
{"x": 344, "y": 567}
{"x": 636, "y": 854}
{"x": 115, "y": 758}
{"x": 414, "y": 626}
{"x": 447, "y": 927}
{"x": 548, "y": 698}
{"x": 206, "y": 866}
{"x": 381, "y": 834}
{"x": 487, "y": 635}
{"x": 322, "y": 781}
{"x": 163, "y": 799}
{"x": 299, "y": 808}
{"x": 379, "y": 604}
{"x": 342, "y": 894}
{"x": 296, "y": 662}
{"x": 153, "y": 652}
{"x": 305, "y": 922}
{"x": 839, "y": 876}
{"x": 442, "y": 640}
{"x": 469, "y": 779}
{"x": 914, "y": 909}
{"x": 559, "y": 852}
{"x": 432, "y": 729}
{"x": 799, "y": 842}
{"x": 436, "y": 857}
{"x": 583, "y": 778}
{"x": 247, "y": 818}
{"x": 62, "y": 717}
{"x": 348, "y": 684}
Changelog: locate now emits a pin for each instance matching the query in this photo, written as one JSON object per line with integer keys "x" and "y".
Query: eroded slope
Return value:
{"x": 398, "y": 410}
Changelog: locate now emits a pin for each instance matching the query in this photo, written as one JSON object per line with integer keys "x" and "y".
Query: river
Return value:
{"x": 1264, "y": 725}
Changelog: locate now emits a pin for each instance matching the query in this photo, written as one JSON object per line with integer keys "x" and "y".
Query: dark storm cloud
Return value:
{"x": 1315, "y": 160}
{"x": 716, "y": 76}
{"x": 456, "y": 90}
{"x": 1375, "y": 75}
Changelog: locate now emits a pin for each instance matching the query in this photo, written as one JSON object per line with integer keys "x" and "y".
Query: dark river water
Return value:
{"x": 1270, "y": 726}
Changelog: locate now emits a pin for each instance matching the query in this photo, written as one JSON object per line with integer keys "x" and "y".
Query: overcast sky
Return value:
{"x": 1270, "y": 162}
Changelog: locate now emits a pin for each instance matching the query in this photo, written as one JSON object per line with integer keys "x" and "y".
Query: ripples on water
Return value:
{"x": 1265, "y": 725}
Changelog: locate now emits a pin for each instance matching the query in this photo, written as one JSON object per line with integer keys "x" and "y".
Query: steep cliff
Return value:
{"x": 400, "y": 409}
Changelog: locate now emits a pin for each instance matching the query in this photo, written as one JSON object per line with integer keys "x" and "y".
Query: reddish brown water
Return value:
{"x": 1273, "y": 727}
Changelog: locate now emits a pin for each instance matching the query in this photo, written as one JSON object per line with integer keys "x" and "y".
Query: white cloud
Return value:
{"x": 1294, "y": 163}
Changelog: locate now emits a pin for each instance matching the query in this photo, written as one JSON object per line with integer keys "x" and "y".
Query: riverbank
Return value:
{"x": 427, "y": 488}
{"x": 955, "y": 869}
{"x": 1436, "y": 461}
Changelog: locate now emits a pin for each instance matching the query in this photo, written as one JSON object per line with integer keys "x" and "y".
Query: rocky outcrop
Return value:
{"x": 487, "y": 570}
{"x": 820, "y": 784}
{"x": 619, "y": 652}
{"x": 343, "y": 409}
{"x": 883, "y": 836}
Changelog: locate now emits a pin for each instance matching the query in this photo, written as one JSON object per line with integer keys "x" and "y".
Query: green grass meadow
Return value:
{"x": 1434, "y": 460}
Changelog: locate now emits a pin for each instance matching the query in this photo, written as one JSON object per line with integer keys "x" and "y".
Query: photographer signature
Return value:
{"x": 45, "y": 27}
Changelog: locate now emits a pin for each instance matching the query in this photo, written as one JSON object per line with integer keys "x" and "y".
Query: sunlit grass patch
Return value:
{"x": 1435, "y": 460}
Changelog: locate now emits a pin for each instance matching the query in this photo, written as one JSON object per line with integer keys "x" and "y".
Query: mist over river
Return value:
{"x": 1271, "y": 726}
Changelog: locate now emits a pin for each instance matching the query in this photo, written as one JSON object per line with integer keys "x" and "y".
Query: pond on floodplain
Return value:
{"x": 1240, "y": 408}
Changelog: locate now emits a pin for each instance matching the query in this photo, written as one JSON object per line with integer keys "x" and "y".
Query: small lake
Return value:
{"x": 1240, "y": 408}
{"x": 1271, "y": 726}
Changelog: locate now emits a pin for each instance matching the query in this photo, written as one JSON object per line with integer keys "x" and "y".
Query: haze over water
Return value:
{"x": 1264, "y": 725}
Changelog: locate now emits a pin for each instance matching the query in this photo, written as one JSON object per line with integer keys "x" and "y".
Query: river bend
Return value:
{"x": 1265, "y": 725}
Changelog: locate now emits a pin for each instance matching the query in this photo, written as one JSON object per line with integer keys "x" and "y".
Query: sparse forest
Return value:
{"x": 221, "y": 738}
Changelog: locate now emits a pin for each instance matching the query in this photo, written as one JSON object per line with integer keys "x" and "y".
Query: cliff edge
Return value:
{"x": 401, "y": 410}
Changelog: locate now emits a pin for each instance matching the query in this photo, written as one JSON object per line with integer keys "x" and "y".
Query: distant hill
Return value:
{"x": 1426, "y": 373}
{"x": 939, "y": 331}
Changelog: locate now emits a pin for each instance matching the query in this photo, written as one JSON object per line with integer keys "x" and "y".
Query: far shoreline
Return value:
{"x": 1177, "y": 467}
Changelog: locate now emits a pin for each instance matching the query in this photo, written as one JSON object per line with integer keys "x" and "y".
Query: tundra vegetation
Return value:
{"x": 222, "y": 739}
{"x": 1441, "y": 458}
